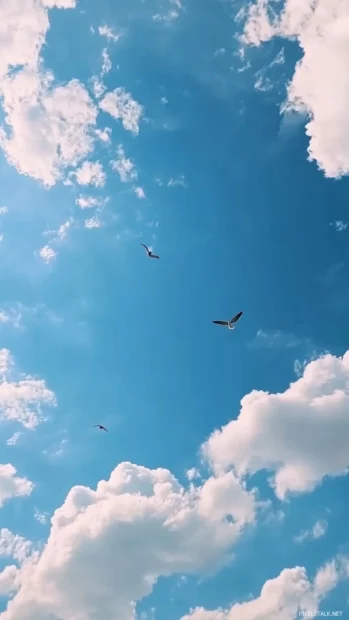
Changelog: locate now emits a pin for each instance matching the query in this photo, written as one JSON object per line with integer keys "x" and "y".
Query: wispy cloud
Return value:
{"x": 124, "y": 166}
{"x": 93, "y": 222}
{"x": 177, "y": 182}
{"x": 339, "y": 225}
{"x": 276, "y": 340}
{"x": 106, "y": 62}
{"x": 318, "y": 530}
{"x": 106, "y": 31}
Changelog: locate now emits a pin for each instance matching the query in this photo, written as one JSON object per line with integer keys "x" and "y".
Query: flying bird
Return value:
{"x": 149, "y": 252}
{"x": 229, "y": 324}
{"x": 101, "y": 428}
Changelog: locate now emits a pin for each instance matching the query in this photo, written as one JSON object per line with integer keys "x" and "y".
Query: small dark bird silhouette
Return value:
{"x": 229, "y": 324}
{"x": 101, "y": 428}
{"x": 149, "y": 252}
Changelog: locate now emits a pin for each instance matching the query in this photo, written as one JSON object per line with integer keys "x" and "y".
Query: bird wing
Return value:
{"x": 236, "y": 317}
{"x": 145, "y": 248}
{"x": 221, "y": 322}
{"x": 96, "y": 426}
{"x": 154, "y": 255}
{"x": 103, "y": 428}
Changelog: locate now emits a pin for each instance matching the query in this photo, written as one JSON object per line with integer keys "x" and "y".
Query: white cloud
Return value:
{"x": 179, "y": 182}
{"x": 12, "y": 317}
{"x": 318, "y": 530}
{"x": 63, "y": 229}
{"x": 91, "y": 173}
{"x": 319, "y": 86}
{"x": 87, "y": 202}
{"x": 47, "y": 253}
{"x": 93, "y": 222}
{"x": 340, "y": 226}
{"x": 106, "y": 62}
{"x": 14, "y": 546}
{"x": 12, "y": 441}
{"x": 104, "y": 134}
{"x": 22, "y": 399}
{"x": 120, "y": 105}
{"x": 48, "y": 128}
{"x": 106, "y": 31}
{"x": 97, "y": 87}
{"x": 171, "y": 14}
{"x": 192, "y": 473}
{"x": 9, "y": 580}
{"x": 300, "y": 435}
{"x": 107, "y": 548}
{"x": 140, "y": 193}
{"x": 275, "y": 340}
{"x": 124, "y": 166}
{"x": 282, "y": 598}
{"x": 41, "y": 517}
{"x": 12, "y": 485}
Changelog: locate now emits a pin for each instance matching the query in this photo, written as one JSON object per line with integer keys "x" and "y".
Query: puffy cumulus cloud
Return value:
{"x": 284, "y": 597}
{"x": 22, "y": 398}
{"x": 107, "y": 547}
{"x": 50, "y": 128}
{"x": 120, "y": 105}
{"x": 47, "y": 128}
{"x": 23, "y": 27}
{"x": 319, "y": 86}
{"x": 11, "y": 486}
{"x": 124, "y": 166}
{"x": 9, "y": 580}
{"x": 91, "y": 173}
{"x": 301, "y": 434}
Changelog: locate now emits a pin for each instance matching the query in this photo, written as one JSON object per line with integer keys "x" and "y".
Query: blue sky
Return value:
{"x": 213, "y": 133}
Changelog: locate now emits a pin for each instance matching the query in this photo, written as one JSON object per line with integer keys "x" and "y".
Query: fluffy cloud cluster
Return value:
{"x": 108, "y": 547}
{"x": 319, "y": 86}
{"x": 22, "y": 398}
{"x": 47, "y": 128}
{"x": 284, "y": 597}
{"x": 120, "y": 105}
{"x": 124, "y": 166}
{"x": 301, "y": 434}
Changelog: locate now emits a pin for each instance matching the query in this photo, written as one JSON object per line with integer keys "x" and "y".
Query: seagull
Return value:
{"x": 229, "y": 324}
{"x": 101, "y": 428}
{"x": 149, "y": 252}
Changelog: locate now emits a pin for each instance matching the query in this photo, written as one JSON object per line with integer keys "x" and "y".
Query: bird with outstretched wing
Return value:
{"x": 149, "y": 252}
{"x": 230, "y": 324}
